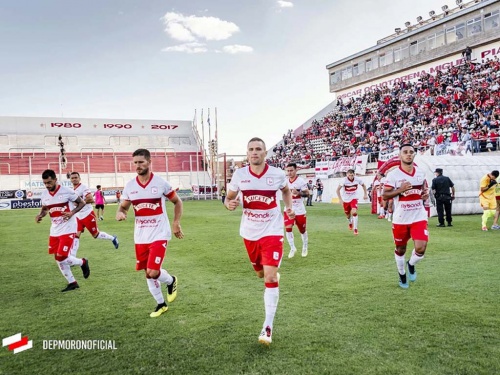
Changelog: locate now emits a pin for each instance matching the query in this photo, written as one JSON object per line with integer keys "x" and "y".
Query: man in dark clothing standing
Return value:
{"x": 444, "y": 192}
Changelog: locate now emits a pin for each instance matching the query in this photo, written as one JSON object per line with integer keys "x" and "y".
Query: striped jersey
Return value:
{"x": 298, "y": 184}
{"x": 261, "y": 211}
{"x": 58, "y": 202}
{"x": 148, "y": 201}
{"x": 350, "y": 188}
{"x": 408, "y": 206}
{"x": 82, "y": 191}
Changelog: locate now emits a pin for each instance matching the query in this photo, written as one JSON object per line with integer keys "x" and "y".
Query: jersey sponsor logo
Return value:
{"x": 411, "y": 206}
{"x": 259, "y": 198}
{"x": 245, "y": 181}
{"x": 146, "y": 221}
{"x": 58, "y": 210}
{"x": 407, "y": 193}
{"x": 149, "y": 206}
{"x": 253, "y": 215}
{"x": 350, "y": 188}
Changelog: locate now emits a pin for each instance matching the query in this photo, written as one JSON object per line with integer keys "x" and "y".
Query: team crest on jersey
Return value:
{"x": 270, "y": 181}
{"x": 154, "y": 190}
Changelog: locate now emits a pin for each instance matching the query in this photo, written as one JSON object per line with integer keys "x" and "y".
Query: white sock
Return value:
{"x": 271, "y": 298}
{"x": 305, "y": 240}
{"x": 155, "y": 290}
{"x": 165, "y": 277}
{"x": 66, "y": 271}
{"x": 73, "y": 261}
{"x": 414, "y": 259}
{"x": 76, "y": 245}
{"x": 289, "y": 237}
{"x": 104, "y": 236}
{"x": 355, "y": 222}
{"x": 400, "y": 263}
{"x": 381, "y": 211}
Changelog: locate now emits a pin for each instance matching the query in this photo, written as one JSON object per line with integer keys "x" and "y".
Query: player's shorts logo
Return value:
{"x": 276, "y": 255}
{"x": 158, "y": 260}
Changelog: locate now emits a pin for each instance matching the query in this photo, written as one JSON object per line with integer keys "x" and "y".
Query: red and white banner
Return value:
{"x": 323, "y": 169}
{"x": 384, "y": 156}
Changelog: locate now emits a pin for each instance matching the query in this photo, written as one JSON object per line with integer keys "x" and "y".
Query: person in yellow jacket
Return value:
{"x": 487, "y": 197}
{"x": 497, "y": 213}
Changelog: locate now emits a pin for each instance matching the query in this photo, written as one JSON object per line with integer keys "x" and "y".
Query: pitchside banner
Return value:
{"x": 327, "y": 169}
{"x": 5, "y": 205}
{"x": 12, "y": 194}
{"x": 26, "y": 203}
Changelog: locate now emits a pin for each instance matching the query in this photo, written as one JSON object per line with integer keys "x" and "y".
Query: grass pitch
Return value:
{"x": 340, "y": 309}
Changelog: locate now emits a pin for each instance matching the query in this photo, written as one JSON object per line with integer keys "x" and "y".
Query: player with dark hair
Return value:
{"x": 408, "y": 187}
{"x": 347, "y": 194}
{"x": 62, "y": 204}
{"x": 298, "y": 187}
{"x": 86, "y": 218}
{"x": 148, "y": 193}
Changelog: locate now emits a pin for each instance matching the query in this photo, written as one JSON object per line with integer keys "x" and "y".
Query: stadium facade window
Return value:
{"x": 355, "y": 70}
{"x": 436, "y": 40}
{"x": 361, "y": 67}
{"x": 334, "y": 78}
{"x": 491, "y": 20}
{"x": 474, "y": 26}
{"x": 347, "y": 73}
{"x": 381, "y": 60}
{"x": 414, "y": 48}
{"x": 368, "y": 64}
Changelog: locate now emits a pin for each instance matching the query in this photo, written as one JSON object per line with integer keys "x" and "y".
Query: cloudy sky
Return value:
{"x": 260, "y": 62}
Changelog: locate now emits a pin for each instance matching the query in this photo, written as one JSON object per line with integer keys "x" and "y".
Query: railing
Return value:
{"x": 13, "y": 149}
{"x": 91, "y": 150}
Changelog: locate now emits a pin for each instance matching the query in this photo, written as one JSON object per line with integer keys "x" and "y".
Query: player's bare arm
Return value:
{"x": 121, "y": 213}
{"x": 232, "y": 200}
{"x": 176, "y": 225}
{"x": 339, "y": 195}
{"x": 42, "y": 213}
{"x": 287, "y": 198}
{"x": 79, "y": 205}
{"x": 390, "y": 192}
{"x": 365, "y": 196}
{"x": 89, "y": 198}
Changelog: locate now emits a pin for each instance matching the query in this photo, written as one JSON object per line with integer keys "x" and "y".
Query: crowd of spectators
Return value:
{"x": 459, "y": 104}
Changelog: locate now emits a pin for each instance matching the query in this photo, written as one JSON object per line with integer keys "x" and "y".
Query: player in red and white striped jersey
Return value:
{"x": 86, "y": 218}
{"x": 298, "y": 187}
{"x": 347, "y": 191}
{"x": 262, "y": 223}
{"x": 147, "y": 193}
{"x": 59, "y": 202}
{"x": 408, "y": 187}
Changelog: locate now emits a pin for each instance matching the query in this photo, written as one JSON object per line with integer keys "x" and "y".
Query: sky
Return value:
{"x": 262, "y": 63}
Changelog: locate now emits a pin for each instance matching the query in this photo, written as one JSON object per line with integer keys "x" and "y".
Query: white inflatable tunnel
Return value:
{"x": 465, "y": 172}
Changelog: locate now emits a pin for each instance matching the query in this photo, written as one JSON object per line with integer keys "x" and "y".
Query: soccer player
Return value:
{"x": 487, "y": 197}
{"x": 262, "y": 223}
{"x": 298, "y": 187}
{"x": 347, "y": 193}
{"x": 378, "y": 186}
{"x": 407, "y": 186}
{"x": 59, "y": 202}
{"x": 148, "y": 193}
{"x": 99, "y": 202}
{"x": 86, "y": 217}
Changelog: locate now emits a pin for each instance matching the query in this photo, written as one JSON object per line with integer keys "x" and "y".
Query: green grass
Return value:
{"x": 340, "y": 310}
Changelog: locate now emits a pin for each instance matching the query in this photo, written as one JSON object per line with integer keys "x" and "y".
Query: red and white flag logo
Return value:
{"x": 17, "y": 344}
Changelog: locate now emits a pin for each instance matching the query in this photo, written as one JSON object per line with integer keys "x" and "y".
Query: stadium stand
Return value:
{"x": 461, "y": 103}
